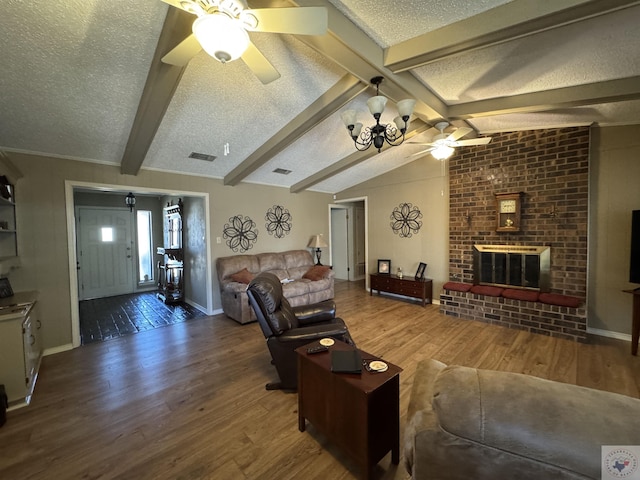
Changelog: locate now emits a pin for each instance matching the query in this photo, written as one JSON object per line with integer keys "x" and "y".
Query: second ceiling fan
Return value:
{"x": 443, "y": 144}
{"x": 222, "y": 25}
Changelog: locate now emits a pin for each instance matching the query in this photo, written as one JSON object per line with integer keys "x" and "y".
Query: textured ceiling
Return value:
{"x": 75, "y": 72}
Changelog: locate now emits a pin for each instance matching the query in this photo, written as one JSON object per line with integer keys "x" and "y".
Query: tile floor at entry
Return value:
{"x": 111, "y": 317}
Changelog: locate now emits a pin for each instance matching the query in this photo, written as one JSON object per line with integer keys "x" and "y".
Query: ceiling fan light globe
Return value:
{"x": 442, "y": 152}
{"x": 221, "y": 36}
{"x": 405, "y": 107}
{"x": 376, "y": 105}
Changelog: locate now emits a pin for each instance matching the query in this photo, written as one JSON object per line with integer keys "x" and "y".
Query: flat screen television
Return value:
{"x": 634, "y": 270}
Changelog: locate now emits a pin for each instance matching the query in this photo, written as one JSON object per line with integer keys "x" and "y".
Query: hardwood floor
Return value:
{"x": 187, "y": 401}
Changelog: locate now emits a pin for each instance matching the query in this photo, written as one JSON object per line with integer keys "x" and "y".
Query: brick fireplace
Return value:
{"x": 551, "y": 168}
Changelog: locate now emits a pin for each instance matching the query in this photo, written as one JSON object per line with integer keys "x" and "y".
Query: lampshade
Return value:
{"x": 349, "y": 117}
{"x": 400, "y": 123}
{"x": 316, "y": 241}
{"x": 221, "y": 36}
{"x": 376, "y": 104}
{"x": 357, "y": 128}
{"x": 405, "y": 107}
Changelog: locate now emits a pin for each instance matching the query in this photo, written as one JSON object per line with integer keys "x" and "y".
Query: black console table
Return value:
{"x": 407, "y": 286}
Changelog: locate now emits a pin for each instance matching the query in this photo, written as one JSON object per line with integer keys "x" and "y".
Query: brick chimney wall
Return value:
{"x": 551, "y": 168}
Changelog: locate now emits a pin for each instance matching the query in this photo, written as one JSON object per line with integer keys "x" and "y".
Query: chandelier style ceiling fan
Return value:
{"x": 222, "y": 25}
{"x": 443, "y": 144}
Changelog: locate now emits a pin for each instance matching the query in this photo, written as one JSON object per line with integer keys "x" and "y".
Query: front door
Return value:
{"x": 105, "y": 256}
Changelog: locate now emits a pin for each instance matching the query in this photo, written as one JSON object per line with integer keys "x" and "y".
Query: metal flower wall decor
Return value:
{"x": 240, "y": 233}
{"x": 278, "y": 221}
{"x": 405, "y": 220}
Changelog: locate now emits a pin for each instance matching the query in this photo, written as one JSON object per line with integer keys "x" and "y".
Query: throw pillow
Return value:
{"x": 243, "y": 276}
{"x": 317, "y": 272}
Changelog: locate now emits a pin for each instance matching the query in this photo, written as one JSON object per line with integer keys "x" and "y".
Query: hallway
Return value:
{"x": 111, "y": 317}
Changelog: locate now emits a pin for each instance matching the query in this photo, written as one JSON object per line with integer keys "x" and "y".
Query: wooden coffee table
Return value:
{"x": 358, "y": 412}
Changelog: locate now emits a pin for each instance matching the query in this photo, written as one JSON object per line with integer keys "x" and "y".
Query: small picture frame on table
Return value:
{"x": 420, "y": 272}
{"x": 384, "y": 267}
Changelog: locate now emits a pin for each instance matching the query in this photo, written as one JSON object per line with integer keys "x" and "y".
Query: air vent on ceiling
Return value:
{"x": 282, "y": 171}
{"x": 202, "y": 156}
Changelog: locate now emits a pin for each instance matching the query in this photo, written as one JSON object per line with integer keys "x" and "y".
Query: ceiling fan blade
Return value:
{"x": 259, "y": 65}
{"x": 421, "y": 152}
{"x": 183, "y": 52}
{"x": 186, "y": 6}
{"x": 459, "y": 133}
{"x": 473, "y": 141}
{"x": 295, "y": 20}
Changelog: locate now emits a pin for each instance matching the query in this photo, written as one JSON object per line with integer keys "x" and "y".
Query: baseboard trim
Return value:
{"x": 608, "y": 333}
{"x": 198, "y": 306}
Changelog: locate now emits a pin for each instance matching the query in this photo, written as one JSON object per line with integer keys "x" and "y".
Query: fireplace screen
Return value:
{"x": 512, "y": 266}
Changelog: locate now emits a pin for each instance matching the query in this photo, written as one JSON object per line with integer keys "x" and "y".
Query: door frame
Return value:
{"x": 364, "y": 199}
{"x": 69, "y": 187}
{"x": 333, "y": 207}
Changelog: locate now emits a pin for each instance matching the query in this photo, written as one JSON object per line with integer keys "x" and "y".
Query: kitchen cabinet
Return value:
{"x": 20, "y": 347}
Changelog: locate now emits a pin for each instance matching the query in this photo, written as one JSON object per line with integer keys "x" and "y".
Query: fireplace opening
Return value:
{"x": 512, "y": 266}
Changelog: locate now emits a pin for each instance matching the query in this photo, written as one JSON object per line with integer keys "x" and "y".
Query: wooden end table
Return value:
{"x": 358, "y": 412}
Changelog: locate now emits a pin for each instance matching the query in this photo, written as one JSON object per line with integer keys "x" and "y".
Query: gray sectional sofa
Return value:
{"x": 290, "y": 265}
{"x": 466, "y": 423}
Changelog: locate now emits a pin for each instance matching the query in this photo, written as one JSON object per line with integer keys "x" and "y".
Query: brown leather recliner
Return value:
{"x": 287, "y": 328}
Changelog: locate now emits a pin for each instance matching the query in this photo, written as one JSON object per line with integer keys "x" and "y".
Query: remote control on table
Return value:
{"x": 318, "y": 349}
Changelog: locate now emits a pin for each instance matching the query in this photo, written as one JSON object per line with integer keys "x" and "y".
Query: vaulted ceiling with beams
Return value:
{"x": 84, "y": 79}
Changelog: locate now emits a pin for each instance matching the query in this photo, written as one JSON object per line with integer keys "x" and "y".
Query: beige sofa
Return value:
{"x": 467, "y": 423}
{"x": 291, "y": 265}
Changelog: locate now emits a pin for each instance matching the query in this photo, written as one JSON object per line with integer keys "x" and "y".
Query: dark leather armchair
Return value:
{"x": 287, "y": 328}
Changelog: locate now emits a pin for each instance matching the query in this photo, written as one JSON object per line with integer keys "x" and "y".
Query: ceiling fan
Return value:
{"x": 442, "y": 145}
{"x": 222, "y": 25}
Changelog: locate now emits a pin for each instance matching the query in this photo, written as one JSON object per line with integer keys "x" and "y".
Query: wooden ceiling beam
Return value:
{"x": 345, "y": 90}
{"x": 609, "y": 91}
{"x": 350, "y": 48}
{"x": 162, "y": 81}
{"x": 506, "y": 22}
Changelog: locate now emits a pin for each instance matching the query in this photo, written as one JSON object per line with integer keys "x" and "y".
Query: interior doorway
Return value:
{"x": 200, "y": 216}
{"x": 348, "y": 245}
{"x": 340, "y": 242}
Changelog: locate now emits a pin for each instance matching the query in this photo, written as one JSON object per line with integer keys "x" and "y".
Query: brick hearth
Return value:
{"x": 551, "y": 167}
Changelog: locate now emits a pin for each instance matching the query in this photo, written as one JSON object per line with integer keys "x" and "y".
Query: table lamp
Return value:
{"x": 317, "y": 242}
